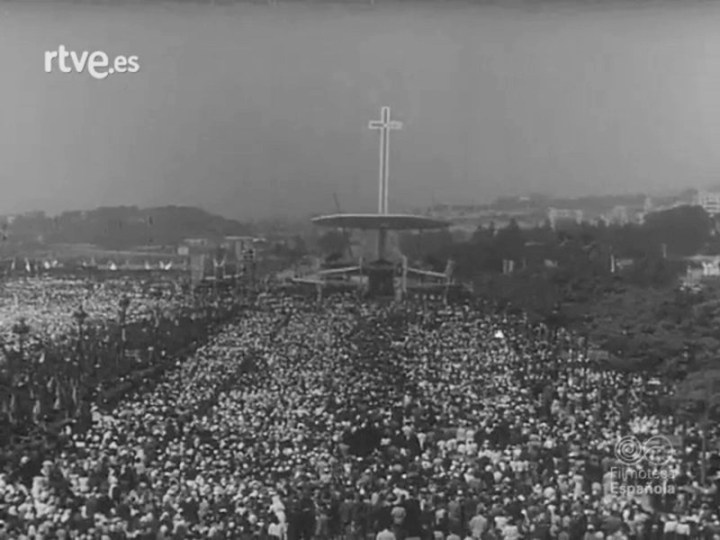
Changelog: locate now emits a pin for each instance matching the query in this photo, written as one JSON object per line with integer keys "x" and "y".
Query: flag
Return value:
{"x": 37, "y": 410}
{"x": 58, "y": 398}
{"x": 74, "y": 396}
{"x": 5, "y": 409}
{"x": 12, "y": 409}
{"x": 449, "y": 268}
{"x": 28, "y": 269}
{"x": 219, "y": 265}
{"x": 404, "y": 272}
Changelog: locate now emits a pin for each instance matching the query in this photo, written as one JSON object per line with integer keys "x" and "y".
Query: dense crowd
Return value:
{"x": 359, "y": 420}
{"x": 47, "y": 304}
{"x": 64, "y": 342}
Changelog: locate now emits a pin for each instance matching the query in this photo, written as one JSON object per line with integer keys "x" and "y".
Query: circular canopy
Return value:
{"x": 394, "y": 222}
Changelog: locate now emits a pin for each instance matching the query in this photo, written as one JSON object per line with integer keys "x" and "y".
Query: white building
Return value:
{"x": 619, "y": 215}
{"x": 710, "y": 201}
{"x": 240, "y": 245}
{"x": 702, "y": 267}
{"x": 196, "y": 242}
{"x": 710, "y": 269}
{"x": 556, "y": 215}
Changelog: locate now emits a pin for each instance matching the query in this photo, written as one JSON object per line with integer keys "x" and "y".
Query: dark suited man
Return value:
{"x": 301, "y": 519}
{"x": 413, "y": 519}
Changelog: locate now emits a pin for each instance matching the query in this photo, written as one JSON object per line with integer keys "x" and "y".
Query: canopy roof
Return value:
{"x": 395, "y": 222}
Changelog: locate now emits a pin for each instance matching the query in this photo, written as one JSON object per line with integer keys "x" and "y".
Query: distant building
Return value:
{"x": 246, "y": 242}
{"x": 466, "y": 218}
{"x": 710, "y": 269}
{"x": 195, "y": 246}
{"x": 239, "y": 246}
{"x": 619, "y": 215}
{"x": 710, "y": 202}
{"x": 701, "y": 268}
{"x": 196, "y": 242}
{"x": 558, "y": 215}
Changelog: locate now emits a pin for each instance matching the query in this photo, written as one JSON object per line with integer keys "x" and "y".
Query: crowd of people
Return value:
{"x": 47, "y": 304}
{"x": 65, "y": 341}
{"x": 346, "y": 419}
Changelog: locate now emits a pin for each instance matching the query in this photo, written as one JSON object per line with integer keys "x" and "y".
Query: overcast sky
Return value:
{"x": 255, "y": 111}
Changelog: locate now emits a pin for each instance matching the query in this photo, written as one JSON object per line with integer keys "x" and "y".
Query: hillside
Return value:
{"x": 121, "y": 227}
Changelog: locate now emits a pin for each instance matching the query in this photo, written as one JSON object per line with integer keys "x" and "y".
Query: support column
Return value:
{"x": 382, "y": 243}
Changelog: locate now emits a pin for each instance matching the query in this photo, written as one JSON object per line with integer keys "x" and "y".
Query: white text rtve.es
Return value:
{"x": 97, "y": 64}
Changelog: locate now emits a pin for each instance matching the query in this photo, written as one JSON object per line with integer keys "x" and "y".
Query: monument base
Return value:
{"x": 381, "y": 279}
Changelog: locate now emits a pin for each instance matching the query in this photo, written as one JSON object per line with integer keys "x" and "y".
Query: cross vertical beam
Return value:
{"x": 384, "y": 125}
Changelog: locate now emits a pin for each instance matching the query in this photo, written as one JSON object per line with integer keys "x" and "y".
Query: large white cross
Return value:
{"x": 384, "y": 125}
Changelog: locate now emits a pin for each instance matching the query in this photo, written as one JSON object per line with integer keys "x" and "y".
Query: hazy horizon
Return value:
{"x": 255, "y": 111}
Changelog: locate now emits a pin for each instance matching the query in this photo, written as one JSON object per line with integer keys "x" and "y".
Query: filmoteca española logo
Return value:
{"x": 657, "y": 451}
{"x": 645, "y": 467}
